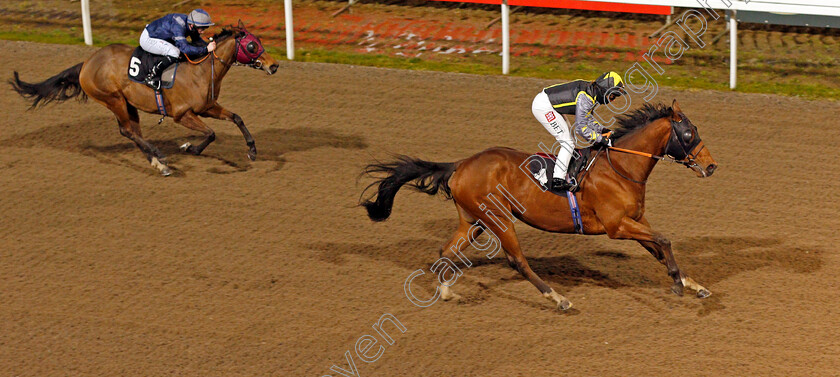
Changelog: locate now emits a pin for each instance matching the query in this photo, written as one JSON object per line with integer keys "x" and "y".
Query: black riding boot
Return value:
{"x": 153, "y": 79}
{"x": 558, "y": 184}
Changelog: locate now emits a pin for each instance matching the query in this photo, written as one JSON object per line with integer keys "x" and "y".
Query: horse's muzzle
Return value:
{"x": 700, "y": 171}
{"x": 710, "y": 169}
{"x": 273, "y": 69}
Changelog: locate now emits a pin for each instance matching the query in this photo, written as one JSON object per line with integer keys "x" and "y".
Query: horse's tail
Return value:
{"x": 58, "y": 88}
{"x": 425, "y": 176}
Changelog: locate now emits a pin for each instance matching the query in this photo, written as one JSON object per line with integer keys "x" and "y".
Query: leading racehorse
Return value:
{"x": 611, "y": 196}
{"x": 104, "y": 78}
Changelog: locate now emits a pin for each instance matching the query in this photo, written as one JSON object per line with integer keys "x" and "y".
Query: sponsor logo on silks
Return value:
{"x": 550, "y": 116}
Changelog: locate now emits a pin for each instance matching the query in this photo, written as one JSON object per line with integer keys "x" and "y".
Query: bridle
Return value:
{"x": 678, "y": 149}
{"x": 252, "y": 56}
{"x": 253, "y": 62}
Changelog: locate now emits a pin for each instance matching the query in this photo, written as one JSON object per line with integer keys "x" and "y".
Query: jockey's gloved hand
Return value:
{"x": 605, "y": 141}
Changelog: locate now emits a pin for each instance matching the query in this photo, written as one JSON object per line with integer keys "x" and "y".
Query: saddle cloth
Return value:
{"x": 140, "y": 64}
{"x": 541, "y": 166}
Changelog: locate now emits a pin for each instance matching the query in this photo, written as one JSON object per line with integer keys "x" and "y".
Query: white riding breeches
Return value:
{"x": 557, "y": 127}
{"x": 158, "y": 46}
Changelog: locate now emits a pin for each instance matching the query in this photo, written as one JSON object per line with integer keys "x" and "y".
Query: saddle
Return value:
{"x": 542, "y": 165}
{"x": 140, "y": 64}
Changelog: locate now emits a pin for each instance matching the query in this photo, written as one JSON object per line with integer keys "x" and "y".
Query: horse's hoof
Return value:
{"x": 677, "y": 289}
{"x": 703, "y": 293}
{"x": 161, "y": 167}
{"x": 451, "y": 297}
{"x": 564, "y": 305}
{"x": 252, "y": 156}
{"x": 185, "y": 147}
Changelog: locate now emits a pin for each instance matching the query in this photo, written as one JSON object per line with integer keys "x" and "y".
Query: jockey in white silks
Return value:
{"x": 579, "y": 98}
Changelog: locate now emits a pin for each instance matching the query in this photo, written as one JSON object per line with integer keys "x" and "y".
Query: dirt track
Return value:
{"x": 267, "y": 268}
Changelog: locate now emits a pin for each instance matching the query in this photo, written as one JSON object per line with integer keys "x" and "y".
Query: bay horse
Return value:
{"x": 103, "y": 77}
{"x": 611, "y": 196}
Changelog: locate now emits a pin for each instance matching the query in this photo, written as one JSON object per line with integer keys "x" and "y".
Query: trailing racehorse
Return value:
{"x": 103, "y": 77}
{"x": 611, "y": 197}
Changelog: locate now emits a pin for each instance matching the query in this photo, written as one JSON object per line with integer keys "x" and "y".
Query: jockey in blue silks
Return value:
{"x": 167, "y": 36}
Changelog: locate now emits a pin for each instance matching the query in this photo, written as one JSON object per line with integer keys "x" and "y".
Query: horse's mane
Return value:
{"x": 227, "y": 32}
{"x": 639, "y": 118}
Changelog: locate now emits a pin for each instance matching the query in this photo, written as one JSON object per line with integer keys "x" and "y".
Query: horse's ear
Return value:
{"x": 676, "y": 106}
{"x": 241, "y": 25}
{"x": 675, "y": 111}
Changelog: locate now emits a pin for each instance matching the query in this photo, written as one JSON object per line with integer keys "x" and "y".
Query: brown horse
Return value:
{"x": 611, "y": 196}
{"x": 103, "y": 77}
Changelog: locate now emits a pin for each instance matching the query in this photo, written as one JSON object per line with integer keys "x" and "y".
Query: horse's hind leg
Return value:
{"x": 510, "y": 243}
{"x": 129, "y": 122}
{"x": 464, "y": 236}
{"x": 191, "y": 121}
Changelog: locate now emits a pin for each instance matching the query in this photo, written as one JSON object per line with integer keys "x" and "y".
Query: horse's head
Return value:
{"x": 685, "y": 144}
{"x": 249, "y": 49}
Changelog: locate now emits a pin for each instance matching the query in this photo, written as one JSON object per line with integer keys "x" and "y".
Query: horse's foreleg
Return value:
{"x": 191, "y": 121}
{"x": 660, "y": 248}
{"x": 219, "y": 112}
{"x": 664, "y": 254}
{"x": 684, "y": 280}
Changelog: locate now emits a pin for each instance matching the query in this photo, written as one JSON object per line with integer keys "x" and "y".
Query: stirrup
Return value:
{"x": 573, "y": 185}
{"x": 153, "y": 83}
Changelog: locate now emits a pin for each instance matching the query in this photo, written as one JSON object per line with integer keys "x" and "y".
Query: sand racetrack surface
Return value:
{"x": 238, "y": 268}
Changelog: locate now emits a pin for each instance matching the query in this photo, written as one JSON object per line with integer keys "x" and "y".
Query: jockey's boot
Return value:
{"x": 559, "y": 184}
{"x": 153, "y": 79}
{"x": 561, "y": 165}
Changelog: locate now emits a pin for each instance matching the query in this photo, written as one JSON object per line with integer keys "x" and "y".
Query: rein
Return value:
{"x": 609, "y": 161}
{"x": 212, "y": 69}
{"x": 254, "y": 63}
{"x": 203, "y": 59}
{"x": 687, "y": 162}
